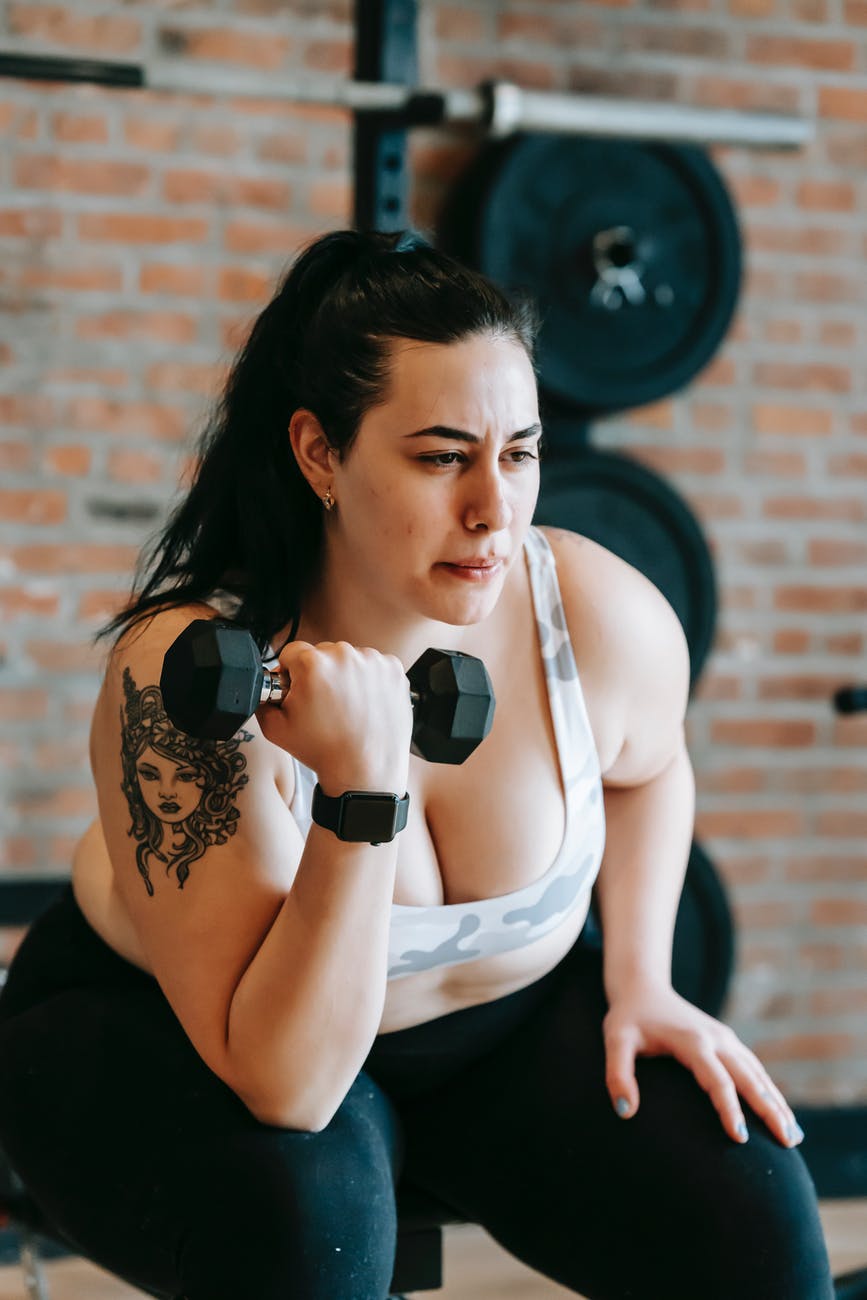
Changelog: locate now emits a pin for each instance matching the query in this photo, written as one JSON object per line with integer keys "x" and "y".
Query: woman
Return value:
{"x": 213, "y": 1090}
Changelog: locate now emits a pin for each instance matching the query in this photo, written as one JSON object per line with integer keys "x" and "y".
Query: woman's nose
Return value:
{"x": 488, "y": 503}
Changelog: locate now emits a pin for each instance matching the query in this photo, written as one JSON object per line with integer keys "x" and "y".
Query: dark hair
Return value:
{"x": 250, "y": 523}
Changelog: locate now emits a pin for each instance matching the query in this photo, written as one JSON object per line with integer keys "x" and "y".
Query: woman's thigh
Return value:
{"x": 663, "y": 1206}
{"x": 153, "y": 1167}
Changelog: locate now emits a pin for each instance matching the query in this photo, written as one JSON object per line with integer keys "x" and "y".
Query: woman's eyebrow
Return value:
{"x": 461, "y": 435}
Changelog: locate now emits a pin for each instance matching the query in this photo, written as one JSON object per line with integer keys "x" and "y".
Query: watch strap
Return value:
{"x": 361, "y": 816}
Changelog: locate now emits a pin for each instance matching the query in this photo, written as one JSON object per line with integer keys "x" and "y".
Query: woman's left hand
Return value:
{"x": 653, "y": 1020}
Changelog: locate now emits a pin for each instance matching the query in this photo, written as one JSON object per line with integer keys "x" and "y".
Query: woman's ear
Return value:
{"x": 311, "y": 450}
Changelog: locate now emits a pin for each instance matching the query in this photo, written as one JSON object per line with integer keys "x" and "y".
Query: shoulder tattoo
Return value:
{"x": 180, "y": 790}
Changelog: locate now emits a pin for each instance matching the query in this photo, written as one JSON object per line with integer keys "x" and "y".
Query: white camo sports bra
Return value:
{"x": 421, "y": 938}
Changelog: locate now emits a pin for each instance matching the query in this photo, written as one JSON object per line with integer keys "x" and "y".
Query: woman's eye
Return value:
{"x": 446, "y": 458}
{"x": 441, "y": 458}
{"x": 146, "y": 774}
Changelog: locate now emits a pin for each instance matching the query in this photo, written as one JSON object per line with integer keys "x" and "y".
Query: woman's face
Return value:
{"x": 171, "y": 790}
{"x": 414, "y": 507}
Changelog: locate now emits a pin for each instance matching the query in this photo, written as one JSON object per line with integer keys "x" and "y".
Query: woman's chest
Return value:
{"x": 495, "y": 823}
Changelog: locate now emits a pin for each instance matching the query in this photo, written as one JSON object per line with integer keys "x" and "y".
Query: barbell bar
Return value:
{"x": 500, "y": 107}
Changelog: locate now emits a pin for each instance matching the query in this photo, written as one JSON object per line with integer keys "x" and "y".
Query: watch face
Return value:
{"x": 368, "y": 817}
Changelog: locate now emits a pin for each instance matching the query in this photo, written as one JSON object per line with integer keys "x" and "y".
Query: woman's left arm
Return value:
{"x": 649, "y": 794}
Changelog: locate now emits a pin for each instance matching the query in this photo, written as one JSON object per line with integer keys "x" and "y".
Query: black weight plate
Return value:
{"x": 703, "y": 948}
{"x": 625, "y": 507}
{"x": 526, "y": 213}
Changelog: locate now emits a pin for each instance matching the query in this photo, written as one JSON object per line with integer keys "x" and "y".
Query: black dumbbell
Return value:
{"x": 213, "y": 680}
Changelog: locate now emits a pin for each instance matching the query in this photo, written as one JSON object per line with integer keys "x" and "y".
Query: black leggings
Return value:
{"x": 152, "y": 1167}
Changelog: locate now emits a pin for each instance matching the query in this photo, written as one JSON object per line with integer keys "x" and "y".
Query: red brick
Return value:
{"x": 179, "y": 376}
{"x": 777, "y": 464}
{"x": 20, "y": 704}
{"x": 814, "y": 378}
{"x": 26, "y": 410}
{"x": 456, "y": 23}
{"x": 852, "y": 466}
{"x": 736, "y": 780}
{"x": 335, "y": 57}
{"x": 846, "y": 102}
{"x": 332, "y": 199}
{"x": 166, "y": 277}
{"x": 263, "y": 52}
{"x": 134, "y": 467}
{"x": 76, "y": 656}
{"x": 30, "y": 223}
{"x": 81, "y": 175}
{"x": 831, "y": 599}
{"x": 255, "y": 237}
{"x": 813, "y": 1047}
{"x": 839, "y": 911}
{"x": 804, "y": 507}
{"x": 711, "y": 417}
{"x": 126, "y": 419}
{"x": 51, "y": 558}
{"x": 142, "y": 228}
{"x": 162, "y": 327}
{"x": 822, "y": 286}
{"x": 17, "y": 601}
{"x": 240, "y": 284}
{"x": 842, "y": 824}
{"x": 795, "y": 52}
{"x": 100, "y": 606}
{"x": 152, "y": 135}
{"x": 791, "y": 641}
{"x": 754, "y": 191}
{"x": 60, "y": 25}
{"x": 835, "y": 551}
{"x": 767, "y": 733}
{"x": 71, "y": 801}
{"x": 79, "y": 128}
{"x": 784, "y": 331}
{"x": 838, "y": 1002}
{"x": 72, "y": 461}
{"x": 682, "y": 460}
{"x": 15, "y": 457}
{"x": 33, "y": 507}
{"x": 802, "y": 686}
{"x": 78, "y": 279}
{"x": 749, "y": 824}
{"x": 792, "y": 421}
{"x": 694, "y": 42}
{"x": 826, "y": 196}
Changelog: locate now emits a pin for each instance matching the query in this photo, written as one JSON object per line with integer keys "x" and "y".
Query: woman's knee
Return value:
{"x": 293, "y": 1213}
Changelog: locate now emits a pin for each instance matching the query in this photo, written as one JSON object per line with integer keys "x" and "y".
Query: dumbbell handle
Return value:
{"x": 274, "y": 692}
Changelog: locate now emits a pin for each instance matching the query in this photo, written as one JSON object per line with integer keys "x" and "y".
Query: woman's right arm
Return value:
{"x": 272, "y": 952}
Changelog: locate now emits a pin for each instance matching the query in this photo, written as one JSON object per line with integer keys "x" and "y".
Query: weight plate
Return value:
{"x": 625, "y": 507}
{"x": 703, "y": 948}
{"x": 630, "y": 249}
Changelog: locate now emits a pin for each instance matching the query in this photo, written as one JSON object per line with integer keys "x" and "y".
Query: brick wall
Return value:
{"x": 140, "y": 233}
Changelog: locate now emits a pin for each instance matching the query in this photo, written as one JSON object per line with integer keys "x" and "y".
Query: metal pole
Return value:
{"x": 498, "y": 107}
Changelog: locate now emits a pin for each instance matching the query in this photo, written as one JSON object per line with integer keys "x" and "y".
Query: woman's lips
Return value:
{"x": 474, "y": 574}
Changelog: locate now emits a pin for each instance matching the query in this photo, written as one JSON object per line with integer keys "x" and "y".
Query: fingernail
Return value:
{"x": 741, "y": 1131}
{"x": 794, "y": 1132}
{"x": 622, "y": 1106}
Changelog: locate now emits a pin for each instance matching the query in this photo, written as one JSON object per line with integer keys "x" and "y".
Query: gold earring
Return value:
{"x": 328, "y": 500}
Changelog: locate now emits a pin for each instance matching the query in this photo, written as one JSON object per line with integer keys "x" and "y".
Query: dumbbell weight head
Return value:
{"x": 212, "y": 681}
{"x": 455, "y": 708}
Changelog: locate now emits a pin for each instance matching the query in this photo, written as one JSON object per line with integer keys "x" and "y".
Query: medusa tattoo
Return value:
{"x": 180, "y": 790}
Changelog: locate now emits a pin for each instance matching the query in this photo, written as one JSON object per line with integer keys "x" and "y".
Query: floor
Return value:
{"x": 474, "y": 1266}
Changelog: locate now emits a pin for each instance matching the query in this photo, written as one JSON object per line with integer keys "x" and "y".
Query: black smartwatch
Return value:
{"x": 361, "y": 816}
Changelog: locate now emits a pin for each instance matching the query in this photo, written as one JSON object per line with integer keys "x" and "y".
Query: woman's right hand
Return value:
{"x": 347, "y": 715}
